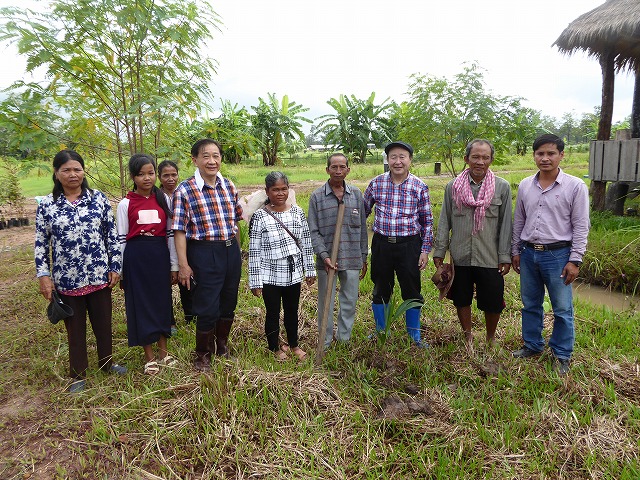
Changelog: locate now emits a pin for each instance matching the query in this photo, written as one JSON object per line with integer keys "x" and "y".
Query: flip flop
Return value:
{"x": 167, "y": 361}
{"x": 151, "y": 367}
{"x": 285, "y": 347}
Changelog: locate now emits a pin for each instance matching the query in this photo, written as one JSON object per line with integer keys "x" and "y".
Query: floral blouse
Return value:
{"x": 81, "y": 238}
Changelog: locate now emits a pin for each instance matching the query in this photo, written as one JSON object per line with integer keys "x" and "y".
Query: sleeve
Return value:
{"x": 519, "y": 219}
{"x": 307, "y": 249}
{"x": 443, "y": 236}
{"x": 505, "y": 226}
{"x": 122, "y": 214}
{"x": 42, "y": 240}
{"x": 255, "y": 247}
{"x": 364, "y": 234}
{"x": 425, "y": 219}
{"x": 179, "y": 209}
{"x": 111, "y": 238}
{"x": 317, "y": 241}
{"x": 171, "y": 243}
{"x": 580, "y": 222}
{"x": 369, "y": 200}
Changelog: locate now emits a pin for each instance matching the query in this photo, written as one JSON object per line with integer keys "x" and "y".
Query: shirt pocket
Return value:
{"x": 354, "y": 218}
{"x": 493, "y": 210}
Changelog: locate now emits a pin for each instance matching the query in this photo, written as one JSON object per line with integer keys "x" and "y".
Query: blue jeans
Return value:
{"x": 537, "y": 270}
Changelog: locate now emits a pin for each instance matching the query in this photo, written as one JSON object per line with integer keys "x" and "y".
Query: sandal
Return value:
{"x": 301, "y": 354}
{"x": 167, "y": 361}
{"x": 285, "y": 347}
{"x": 151, "y": 368}
{"x": 281, "y": 355}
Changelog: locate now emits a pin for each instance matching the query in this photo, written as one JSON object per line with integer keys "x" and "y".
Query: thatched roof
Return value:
{"x": 614, "y": 25}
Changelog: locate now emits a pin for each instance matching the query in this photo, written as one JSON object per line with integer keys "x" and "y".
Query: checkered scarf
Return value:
{"x": 462, "y": 195}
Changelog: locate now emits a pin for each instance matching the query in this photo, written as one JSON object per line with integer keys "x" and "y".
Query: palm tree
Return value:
{"x": 275, "y": 122}
{"x": 357, "y": 123}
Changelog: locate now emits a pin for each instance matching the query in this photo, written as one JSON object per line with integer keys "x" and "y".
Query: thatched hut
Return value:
{"x": 611, "y": 33}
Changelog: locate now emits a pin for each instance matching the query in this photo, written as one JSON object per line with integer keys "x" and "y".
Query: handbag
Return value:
{"x": 284, "y": 226}
{"x": 57, "y": 310}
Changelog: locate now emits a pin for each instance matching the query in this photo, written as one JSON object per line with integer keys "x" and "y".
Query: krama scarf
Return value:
{"x": 462, "y": 195}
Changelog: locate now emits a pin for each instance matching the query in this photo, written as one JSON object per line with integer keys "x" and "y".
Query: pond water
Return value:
{"x": 602, "y": 296}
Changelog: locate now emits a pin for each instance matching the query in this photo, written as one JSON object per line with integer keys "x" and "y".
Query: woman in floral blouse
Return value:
{"x": 78, "y": 254}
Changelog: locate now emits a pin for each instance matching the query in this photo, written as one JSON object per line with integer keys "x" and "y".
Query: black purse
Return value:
{"x": 57, "y": 310}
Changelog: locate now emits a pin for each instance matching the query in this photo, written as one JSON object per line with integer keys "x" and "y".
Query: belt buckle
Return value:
{"x": 538, "y": 248}
{"x": 228, "y": 242}
{"x": 392, "y": 239}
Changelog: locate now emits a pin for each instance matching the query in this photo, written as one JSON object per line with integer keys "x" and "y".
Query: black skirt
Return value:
{"x": 146, "y": 273}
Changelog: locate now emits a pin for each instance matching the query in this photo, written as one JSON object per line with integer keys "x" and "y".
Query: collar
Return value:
{"x": 328, "y": 190}
{"x": 200, "y": 181}
{"x": 559, "y": 179}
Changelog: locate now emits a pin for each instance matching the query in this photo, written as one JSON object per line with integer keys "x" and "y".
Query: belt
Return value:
{"x": 227, "y": 243}
{"x": 539, "y": 247}
{"x": 403, "y": 239}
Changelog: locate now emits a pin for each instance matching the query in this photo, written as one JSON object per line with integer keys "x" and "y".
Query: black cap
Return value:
{"x": 57, "y": 310}
{"x": 403, "y": 145}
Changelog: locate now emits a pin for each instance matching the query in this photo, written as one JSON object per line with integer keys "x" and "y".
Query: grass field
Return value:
{"x": 370, "y": 411}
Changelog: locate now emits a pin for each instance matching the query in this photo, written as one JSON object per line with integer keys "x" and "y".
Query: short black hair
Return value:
{"x": 195, "y": 150}
{"x": 548, "y": 138}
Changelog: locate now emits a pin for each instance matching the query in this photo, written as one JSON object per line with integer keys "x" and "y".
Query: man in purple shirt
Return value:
{"x": 550, "y": 229}
{"x": 402, "y": 235}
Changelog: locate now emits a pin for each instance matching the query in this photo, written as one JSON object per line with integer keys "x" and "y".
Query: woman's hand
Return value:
{"x": 114, "y": 278}
{"x": 46, "y": 287}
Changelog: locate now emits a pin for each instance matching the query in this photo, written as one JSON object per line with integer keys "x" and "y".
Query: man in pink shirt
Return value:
{"x": 550, "y": 229}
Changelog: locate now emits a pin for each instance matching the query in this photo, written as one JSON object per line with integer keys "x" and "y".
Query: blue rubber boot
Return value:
{"x": 378, "y": 315}
{"x": 412, "y": 318}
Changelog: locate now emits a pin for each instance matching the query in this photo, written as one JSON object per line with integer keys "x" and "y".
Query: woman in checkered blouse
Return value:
{"x": 280, "y": 256}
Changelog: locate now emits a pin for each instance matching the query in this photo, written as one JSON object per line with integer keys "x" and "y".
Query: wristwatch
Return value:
{"x": 576, "y": 263}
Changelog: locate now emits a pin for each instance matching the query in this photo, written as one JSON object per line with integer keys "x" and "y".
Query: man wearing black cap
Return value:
{"x": 402, "y": 235}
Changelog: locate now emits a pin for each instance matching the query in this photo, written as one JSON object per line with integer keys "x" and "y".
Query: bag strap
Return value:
{"x": 283, "y": 226}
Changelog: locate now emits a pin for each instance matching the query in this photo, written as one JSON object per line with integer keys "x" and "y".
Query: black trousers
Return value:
{"x": 273, "y": 297}
{"x": 98, "y": 305}
{"x": 400, "y": 259}
{"x": 216, "y": 270}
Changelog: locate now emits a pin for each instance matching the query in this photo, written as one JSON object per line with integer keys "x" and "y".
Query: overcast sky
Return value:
{"x": 313, "y": 51}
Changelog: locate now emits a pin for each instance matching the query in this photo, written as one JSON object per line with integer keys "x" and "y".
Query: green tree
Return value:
{"x": 356, "y": 123}
{"x": 124, "y": 67}
{"x": 523, "y": 129}
{"x": 232, "y": 129}
{"x": 442, "y": 116}
{"x": 276, "y": 122}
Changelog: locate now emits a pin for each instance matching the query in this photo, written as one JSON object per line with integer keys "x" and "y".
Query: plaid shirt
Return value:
{"x": 204, "y": 212}
{"x": 274, "y": 257}
{"x": 401, "y": 210}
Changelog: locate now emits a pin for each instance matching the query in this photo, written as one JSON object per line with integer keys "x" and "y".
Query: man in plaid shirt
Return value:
{"x": 205, "y": 216}
{"x": 402, "y": 236}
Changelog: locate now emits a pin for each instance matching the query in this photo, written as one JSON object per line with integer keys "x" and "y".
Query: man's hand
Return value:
{"x": 515, "y": 263}
{"x": 310, "y": 280}
{"x": 569, "y": 273}
{"x": 504, "y": 268}
{"x": 257, "y": 292}
{"x": 328, "y": 266}
{"x": 363, "y": 270}
{"x": 114, "y": 278}
{"x": 437, "y": 261}
{"x": 423, "y": 261}
{"x": 46, "y": 287}
{"x": 184, "y": 275}
{"x": 174, "y": 278}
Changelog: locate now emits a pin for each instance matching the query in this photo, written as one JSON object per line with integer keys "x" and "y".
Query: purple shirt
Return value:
{"x": 401, "y": 210}
{"x": 558, "y": 213}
